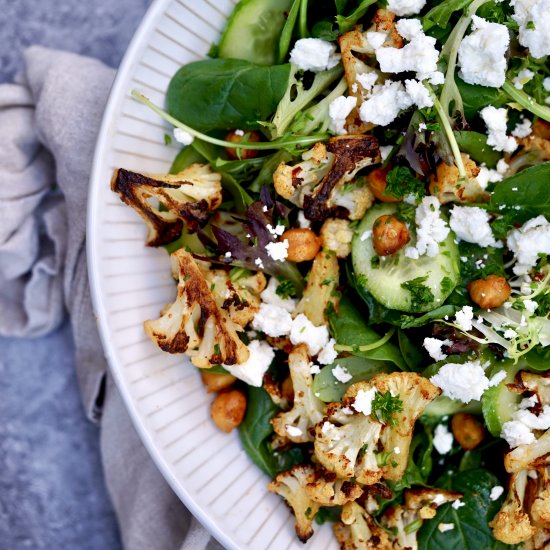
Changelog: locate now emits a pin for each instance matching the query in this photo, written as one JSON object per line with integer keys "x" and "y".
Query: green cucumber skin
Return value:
{"x": 384, "y": 282}
{"x": 252, "y": 31}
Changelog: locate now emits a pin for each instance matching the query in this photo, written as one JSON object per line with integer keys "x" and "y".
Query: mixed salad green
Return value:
{"x": 358, "y": 223}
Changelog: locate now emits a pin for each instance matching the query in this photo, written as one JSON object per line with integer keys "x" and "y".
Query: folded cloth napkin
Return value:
{"x": 50, "y": 120}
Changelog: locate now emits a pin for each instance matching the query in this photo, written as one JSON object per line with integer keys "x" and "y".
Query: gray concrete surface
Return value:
{"x": 52, "y": 494}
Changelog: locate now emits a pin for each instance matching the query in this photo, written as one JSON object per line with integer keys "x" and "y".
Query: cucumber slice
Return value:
{"x": 253, "y": 31}
{"x": 498, "y": 403}
{"x": 383, "y": 277}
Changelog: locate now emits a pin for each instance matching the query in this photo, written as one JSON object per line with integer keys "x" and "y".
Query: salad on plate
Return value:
{"x": 358, "y": 224}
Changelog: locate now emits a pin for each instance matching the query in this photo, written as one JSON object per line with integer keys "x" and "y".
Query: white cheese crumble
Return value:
{"x": 529, "y": 402}
{"x": 516, "y": 433}
{"x": 530, "y": 305}
{"x": 496, "y": 492}
{"x": 278, "y": 230}
{"x": 396, "y": 450}
{"x": 527, "y": 242}
{"x": 471, "y": 224}
{"x": 253, "y": 370}
{"x": 303, "y": 331}
{"x": 341, "y": 374}
{"x": 303, "y": 222}
{"x": 419, "y": 94}
{"x": 406, "y": 7}
{"x": 444, "y": 527}
{"x": 533, "y": 18}
{"x": 502, "y": 167}
{"x": 365, "y": 235}
{"x": 314, "y": 54}
{"x": 385, "y": 151}
{"x": 497, "y": 378}
{"x": 367, "y": 80}
{"x": 272, "y": 320}
{"x": 522, "y": 129}
{"x": 385, "y": 104}
{"x": 431, "y": 229}
{"x": 487, "y": 176}
{"x": 363, "y": 401}
{"x": 328, "y": 354}
{"x": 278, "y": 250}
{"x": 464, "y": 382}
{"x": 269, "y": 296}
{"x": 481, "y": 54}
{"x": 314, "y": 369}
{"x": 259, "y": 263}
{"x": 433, "y": 347}
{"x": 183, "y": 137}
{"x": 458, "y": 504}
{"x": 546, "y": 83}
{"x": 376, "y": 39}
{"x": 443, "y": 439}
{"x": 293, "y": 431}
{"x": 524, "y": 76}
{"x": 338, "y": 111}
{"x": 495, "y": 120}
{"x": 464, "y": 317}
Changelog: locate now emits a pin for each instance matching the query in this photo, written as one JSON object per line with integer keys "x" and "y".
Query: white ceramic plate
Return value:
{"x": 131, "y": 283}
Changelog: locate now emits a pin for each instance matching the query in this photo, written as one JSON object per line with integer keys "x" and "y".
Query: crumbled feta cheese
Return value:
{"x": 385, "y": 103}
{"x": 496, "y": 492}
{"x": 419, "y": 94}
{"x": 396, "y": 450}
{"x": 444, "y": 527}
{"x": 524, "y": 76}
{"x": 385, "y": 151}
{"x": 253, "y": 370}
{"x": 487, "y": 176}
{"x": 431, "y": 229}
{"x": 272, "y": 320}
{"x": 239, "y": 132}
{"x": 418, "y": 55}
{"x": 363, "y": 401}
{"x": 328, "y": 354}
{"x": 278, "y": 250}
{"x": 497, "y": 378}
{"x": 495, "y": 120}
{"x": 439, "y": 499}
{"x": 314, "y": 54}
{"x": 314, "y": 369}
{"x": 510, "y": 333}
{"x": 463, "y": 382}
{"x": 406, "y": 7}
{"x": 546, "y": 83}
{"x": 433, "y": 347}
{"x": 481, "y": 54}
{"x": 303, "y": 331}
{"x": 278, "y": 230}
{"x": 264, "y": 209}
{"x": 341, "y": 374}
{"x": 458, "y": 504}
{"x": 464, "y": 317}
{"x": 183, "y": 137}
{"x": 365, "y": 235}
{"x": 502, "y": 167}
{"x": 303, "y": 222}
{"x": 443, "y": 439}
{"x": 530, "y": 305}
{"x": 376, "y": 39}
{"x": 327, "y": 427}
{"x": 228, "y": 254}
{"x": 527, "y": 242}
{"x": 533, "y": 18}
{"x": 533, "y": 421}
{"x": 516, "y": 433}
{"x": 471, "y": 224}
{"x": 529, "y": 402}
{"x": 367, "y": 80}
{"x": 338, "y": 111}
{"x": 522, "y": 129}
{"x": 269, "y": 296}
{"x": 293, "y": 431}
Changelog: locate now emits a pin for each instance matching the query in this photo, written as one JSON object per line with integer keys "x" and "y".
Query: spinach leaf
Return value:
{"x": 412, "y": 355}
{"x": 526, "y": 194}
{"x": 349, "y": 328}
{"x": 346, "y": 23}
{"x": 256, "y": 429}
{"x": 329, "y": 389}
{"x": 226, "y": 93}
{"x": 328, "y": 513}
{"x": 539, "y": 358}
{"x": 478, "y": 262}
{"x": 475, "y": 97}
{"x": 471, "y": 530}
{"x": 439, "y": 15}
{"x": 475, "y": 144}
{"x": 324, "y": 30}
{"x": 186, "y": 157}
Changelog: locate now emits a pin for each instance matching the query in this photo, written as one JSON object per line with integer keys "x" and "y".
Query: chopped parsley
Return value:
{"x": 385, "y": 405}
{"x": 401, "y": 182}
{"x": 285, "y": 289}
{"x": 420, "y": 293}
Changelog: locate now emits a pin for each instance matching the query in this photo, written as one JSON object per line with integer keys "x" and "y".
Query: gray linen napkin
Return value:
{"x": 49, "y": 122}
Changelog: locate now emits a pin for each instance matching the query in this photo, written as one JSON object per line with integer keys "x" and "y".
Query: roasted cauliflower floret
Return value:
{"x": 529, "y": 457}
{"x": 540, "y": 505}
{"x": 425, "y": 501}
{"x": 537, "y": 384}
{"x": 322, "y": 281}
{"x": 318, "y": 183}
{"x": 357, "y": 530}
{"x": 446, "y": 185}
{"x": 189, "y": 197}
{"x": 291, "y": 485}
{"x": 240, "y": 299}
{"x": 330, "y": 490}
{"x": 336, "y": 236}
{"x": 307, "y": 410}
{"x": 512, "y": 524}
{"x": 194, "y": 324}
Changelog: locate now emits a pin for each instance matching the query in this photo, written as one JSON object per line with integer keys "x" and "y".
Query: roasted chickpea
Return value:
{"x": 467, "y": 430}
{"x": 389, "y": 235}
{"x": 303, "y": 244}
{"x": 490, "y": 292}
{"x": 541, "y": 129}
{"x": 376, "y": 180}
{"x": 228, "y": 410}
{"x": 215, "y": 382}
{"x": 237, "y": 135}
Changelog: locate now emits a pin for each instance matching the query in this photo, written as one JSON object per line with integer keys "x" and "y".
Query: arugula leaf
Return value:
{"x": 400, "y": 182}
{"x": 471, "y": 530}
{"x": 223, "y": 93}
{"x": 525, "y": 194}
{"x": 439, "y": 15}
{"x": 420, "y": 293}
{"x": 346, "y": 23}
{"x": 475, "y": 144}
{"x": 349, "y": 328}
